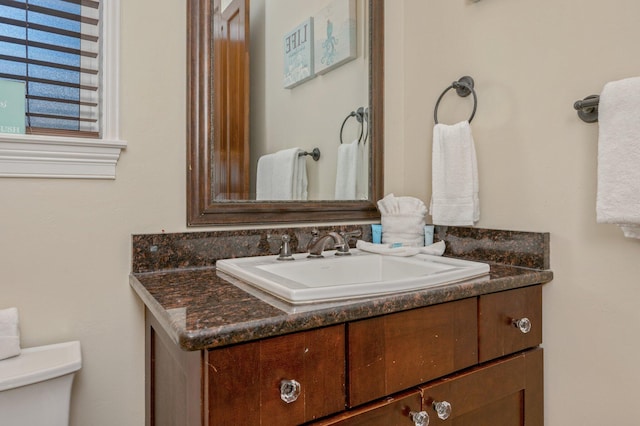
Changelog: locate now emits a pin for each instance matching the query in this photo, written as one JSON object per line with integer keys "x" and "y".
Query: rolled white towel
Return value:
{"x": 9, "y": 333}
{"x": 386, "y": 249}
{"x": 435, "y": 249}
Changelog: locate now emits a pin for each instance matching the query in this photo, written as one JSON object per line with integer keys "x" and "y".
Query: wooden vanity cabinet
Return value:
{"x": 395, "y": 352}
{"x": 506, "y": 392}
{"x": 498, "y": 313}
{"x": 375, "y": 371}
{"x": 245, "y": 382}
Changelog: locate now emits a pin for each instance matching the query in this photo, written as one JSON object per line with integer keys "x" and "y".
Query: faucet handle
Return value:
{"x": 285, "y": 250}
{"x": 347, "y": 236}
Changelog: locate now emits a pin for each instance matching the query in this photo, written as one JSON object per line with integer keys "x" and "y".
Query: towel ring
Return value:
{"x": 363, "y": 116}
{"x": 464, "y": 87}
{"x": 359, "y": 117}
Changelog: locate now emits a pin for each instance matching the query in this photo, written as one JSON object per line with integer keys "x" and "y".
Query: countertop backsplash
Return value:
{"x": 170, "y": 251}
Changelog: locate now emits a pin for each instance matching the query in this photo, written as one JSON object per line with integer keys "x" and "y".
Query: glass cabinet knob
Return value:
{"x": 443, "y": 409}
{"x": 522, "y": 324}
{"x": 419, "y": 418}
{"x": 289, "y": 390}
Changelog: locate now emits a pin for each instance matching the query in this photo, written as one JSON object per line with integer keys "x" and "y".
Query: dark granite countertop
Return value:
{"x": 200, "y": 308}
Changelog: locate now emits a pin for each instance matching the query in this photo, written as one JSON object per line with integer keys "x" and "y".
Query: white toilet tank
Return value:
{"x": 35, "y": 386}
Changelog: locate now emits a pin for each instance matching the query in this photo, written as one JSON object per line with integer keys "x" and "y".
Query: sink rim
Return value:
{"x": 248, "y": 269}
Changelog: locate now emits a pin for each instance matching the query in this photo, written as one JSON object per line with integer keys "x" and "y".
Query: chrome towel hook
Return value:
{"x": 464, "y": 87}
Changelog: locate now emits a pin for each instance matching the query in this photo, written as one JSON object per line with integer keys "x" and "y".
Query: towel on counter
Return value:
{"x": 454, "y": 195}
{"x": 282, "y": 176}
{"x": 402, "y": 220}
{"x": 436, "y": 249}
{"x": 9, "y": 333}
{"x": 618, "y": 193}
{"x": 347, "y": 171}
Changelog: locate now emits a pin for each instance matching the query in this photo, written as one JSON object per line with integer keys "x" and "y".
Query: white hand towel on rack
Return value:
{"x": 282, "y": 176}
{"x": 9, "y": 333}
{"x": 618, "y": 194}
{"x": 347, "y": 171}
{"x": 454, "y": 197}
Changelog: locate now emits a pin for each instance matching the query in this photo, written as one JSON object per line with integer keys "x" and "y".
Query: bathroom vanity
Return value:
{"x": 220, "y": 353}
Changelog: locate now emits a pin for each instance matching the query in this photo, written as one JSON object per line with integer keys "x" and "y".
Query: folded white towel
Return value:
{"x": 282, "y": 176}
{"x": 402, "y": 220}
{"x": 385, "y": 249}
{"x": 618, "y": 194}
{"x": 454, "y": 195}
{"x": 436, "y": 249}
{"x": 405, "y": 229}
{"x": 347, "y": 171}
{"x": 9, "y": 333}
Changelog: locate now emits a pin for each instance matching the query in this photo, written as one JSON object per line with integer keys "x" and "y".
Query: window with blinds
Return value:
{"x": 53, "y": 46}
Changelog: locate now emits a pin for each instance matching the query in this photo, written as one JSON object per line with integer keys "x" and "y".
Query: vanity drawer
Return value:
{"x": 506, "y": 392}
{"x": 395, "y": 352}
{"x": 392, "y": 411}
{"x": 245, "y": 381}
{"x": 498, "y": 335}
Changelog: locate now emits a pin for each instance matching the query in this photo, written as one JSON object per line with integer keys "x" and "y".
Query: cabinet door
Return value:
{"x": 507, "y": 392}
{"x": 244, "y": 381}
{"x": 497, "y": 334}
{"x": 394, "y": 411}
{"x": 398, "y": 351}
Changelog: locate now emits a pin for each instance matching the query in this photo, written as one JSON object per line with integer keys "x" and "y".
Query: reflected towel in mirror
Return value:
{"x": 9, "y": 333}
{"x": 347, "y": 171}
{"x": 282, "y": 176}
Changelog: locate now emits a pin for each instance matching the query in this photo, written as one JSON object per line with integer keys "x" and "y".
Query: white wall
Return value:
{"x": 66, "y": 243}
{"x": 537, "y": 166}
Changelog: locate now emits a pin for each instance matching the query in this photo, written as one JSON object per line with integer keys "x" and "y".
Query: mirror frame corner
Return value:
{"x": 201, "y": 210}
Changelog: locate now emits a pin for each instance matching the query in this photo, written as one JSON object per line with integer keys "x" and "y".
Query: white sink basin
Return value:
{"x": 362, "y": 274}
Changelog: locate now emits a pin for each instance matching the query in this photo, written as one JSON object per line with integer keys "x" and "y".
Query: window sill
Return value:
{"x": 58, "y": 157}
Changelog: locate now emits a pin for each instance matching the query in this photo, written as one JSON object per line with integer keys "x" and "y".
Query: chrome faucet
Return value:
{"x": 317, "y": 243}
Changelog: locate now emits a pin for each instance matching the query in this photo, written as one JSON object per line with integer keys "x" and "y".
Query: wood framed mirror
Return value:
{"x": 203, "y": 206}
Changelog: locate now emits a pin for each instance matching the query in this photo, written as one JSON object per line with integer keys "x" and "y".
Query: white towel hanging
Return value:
{"x": 282, "y": 176}
{"x": 454, "y": 197}
{"x": 347, "y": 171}
{"x": 618, "y": 193}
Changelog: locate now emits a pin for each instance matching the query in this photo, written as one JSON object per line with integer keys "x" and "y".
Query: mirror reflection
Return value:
{"x": 290, "y": 90}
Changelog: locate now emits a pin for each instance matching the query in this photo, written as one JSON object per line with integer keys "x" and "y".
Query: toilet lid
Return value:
{"x": 40, "y": 363}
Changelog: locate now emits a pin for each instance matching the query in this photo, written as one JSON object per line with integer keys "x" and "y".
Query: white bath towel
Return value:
{"x": 618, "y": 195}
{"x": 9, "y": 333}
{"x": 454, "y": 196}
{"x": 347, "y": 171}
{"x": 282, "y": 176}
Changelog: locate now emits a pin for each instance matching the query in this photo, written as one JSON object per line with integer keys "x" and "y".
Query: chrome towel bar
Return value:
{"x": 588, "y": 108}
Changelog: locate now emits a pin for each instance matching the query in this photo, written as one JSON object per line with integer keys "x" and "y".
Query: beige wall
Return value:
{"x": 66, "y": 248}
{"x": 537, "y": 163}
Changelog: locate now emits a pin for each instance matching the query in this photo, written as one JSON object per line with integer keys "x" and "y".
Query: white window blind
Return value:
{"x": 54, "y": 47}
